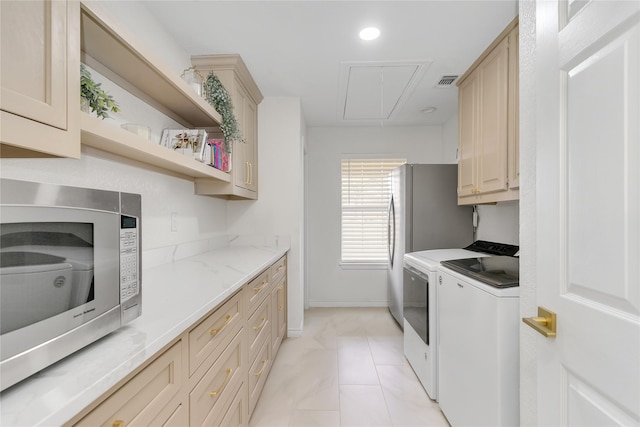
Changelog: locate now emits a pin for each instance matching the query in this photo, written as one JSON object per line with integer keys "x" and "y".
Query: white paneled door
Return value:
{"x": 588, "y": 216}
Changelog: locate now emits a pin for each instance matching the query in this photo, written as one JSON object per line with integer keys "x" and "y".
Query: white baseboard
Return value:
{"x": 348, "y": 304}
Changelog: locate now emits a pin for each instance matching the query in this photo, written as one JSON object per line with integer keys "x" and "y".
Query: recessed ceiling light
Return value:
{"x": 429, "y": 110}
{"x": 369, "y": 33}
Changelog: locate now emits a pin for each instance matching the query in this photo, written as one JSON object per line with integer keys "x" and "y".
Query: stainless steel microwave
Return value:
{"x": 70, "y": 271}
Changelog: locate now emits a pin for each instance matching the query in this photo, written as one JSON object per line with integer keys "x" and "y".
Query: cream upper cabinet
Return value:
{"x": 246, "y": 97}
{"x": 40, "y": 68}
{"x": 513, "y": 149}
{"x": 488, "y": 115}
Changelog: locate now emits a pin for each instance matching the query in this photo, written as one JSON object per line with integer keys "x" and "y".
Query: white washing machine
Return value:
{"x": 478, "y": 348}
{"x": 420, "y": 311}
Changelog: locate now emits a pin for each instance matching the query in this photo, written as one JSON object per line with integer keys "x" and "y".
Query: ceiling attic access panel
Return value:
{"x": 377, "y": 90}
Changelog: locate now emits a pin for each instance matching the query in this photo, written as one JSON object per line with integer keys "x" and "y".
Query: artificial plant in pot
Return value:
{"x": 99, "y": 101}
{"x": 219, "y": 99}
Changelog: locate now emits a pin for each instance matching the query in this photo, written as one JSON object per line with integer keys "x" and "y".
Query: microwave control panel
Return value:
{"x": 129, "y": 284}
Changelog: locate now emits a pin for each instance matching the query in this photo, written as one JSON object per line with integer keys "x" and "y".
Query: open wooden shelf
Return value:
{"x": 107, "y": 137}
{"x": 116, "y": 54}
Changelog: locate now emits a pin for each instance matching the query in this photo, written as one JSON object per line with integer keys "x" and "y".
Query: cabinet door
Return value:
{"x": 40, "y": 94}
{"x": 492, "y": 137}
{"x": 279, "y": 316}
{"x": 514, "y": 110}
{"x": 215, "y": 332}
{"x": 236, "y": 416}
{"x": 146, "y": 397}
{"x": 467, "y": 118}
{"x": 212, "y": 395}
{"x": 258, "y": 372}
{"x": 251, "y": 147}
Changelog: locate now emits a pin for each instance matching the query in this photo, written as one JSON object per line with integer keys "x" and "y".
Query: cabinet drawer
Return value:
{"x": 236, "y": 414}
{"x": 141, "y": 399}
{"x": 179, "y": 417}
{"x": 279, "y": 315}
{"x": 215, "y": 332}
{"x": 257, "y": 290}
{"x": 279, "y": 270}
{"x": 258, "y": 374}
{"x": 211, "y": 395}
{"x": 259, "y": 327}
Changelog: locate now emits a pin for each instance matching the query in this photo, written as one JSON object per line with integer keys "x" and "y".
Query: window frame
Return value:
{"x": 365, "y": 206}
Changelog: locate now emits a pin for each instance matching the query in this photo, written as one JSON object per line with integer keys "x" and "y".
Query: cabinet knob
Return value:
{"x": 118, "y": 423}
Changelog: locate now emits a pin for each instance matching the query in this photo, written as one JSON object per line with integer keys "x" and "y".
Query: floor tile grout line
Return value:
{"x": 386, "y": 404}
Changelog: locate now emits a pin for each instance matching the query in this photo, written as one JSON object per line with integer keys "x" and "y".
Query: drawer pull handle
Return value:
{"x": 261, "y": 287}
{"x": 261, "y": 325}
{"x": 281, "y": 306}
{"x": 264, "y": 365}
{"x": 224, "y": 384}
{"x": 280, "y": 268}
{"x": 227, "y": 318}
{"x": 118, "y": 423}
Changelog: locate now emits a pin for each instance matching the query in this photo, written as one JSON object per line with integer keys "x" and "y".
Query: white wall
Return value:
{"x": 528, "y": 205}
{"x": 328, "y": 284}
{"x": 278, "y": 210}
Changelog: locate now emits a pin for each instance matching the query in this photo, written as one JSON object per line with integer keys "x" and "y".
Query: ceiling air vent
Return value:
{"x": 446, "y": 81}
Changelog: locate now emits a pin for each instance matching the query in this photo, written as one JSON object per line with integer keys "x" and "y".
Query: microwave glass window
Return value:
{"x": 46, "y": 268}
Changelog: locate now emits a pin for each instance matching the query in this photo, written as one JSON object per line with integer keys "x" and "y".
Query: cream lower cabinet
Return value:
{"x": 487, "y": 120}
{"x": 40, "y": 85}
{"x": 151, "y": 397}
{"x": 213, "y": 374}
{"x": 278, "y": 304}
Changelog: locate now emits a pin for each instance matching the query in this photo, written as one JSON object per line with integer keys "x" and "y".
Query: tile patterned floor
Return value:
{"x": 348, "y": 369}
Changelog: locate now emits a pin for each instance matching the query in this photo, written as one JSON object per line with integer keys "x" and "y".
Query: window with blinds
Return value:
{"x": 366, "y": 191}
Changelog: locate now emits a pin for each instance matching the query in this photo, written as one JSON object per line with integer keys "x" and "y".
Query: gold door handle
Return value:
{"x": 226, "y": 322}
{"x": 281, "y": 306}
{"x": 118, "y": 423}
{"x": 259, "y": 288}
{"x": 545, "y": 322}
{"x": 261, "y": 325}
{"x": 264, "y": 365}
{"x": 224, "y": 383}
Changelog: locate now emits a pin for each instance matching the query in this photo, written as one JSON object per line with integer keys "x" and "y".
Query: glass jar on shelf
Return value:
{"x": 194, "y": 79}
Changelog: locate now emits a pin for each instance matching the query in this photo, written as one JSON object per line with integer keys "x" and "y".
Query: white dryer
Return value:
{"x": 420, "y": 311}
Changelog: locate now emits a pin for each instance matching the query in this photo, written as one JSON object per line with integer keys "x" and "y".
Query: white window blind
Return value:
{"x": 366, "y": 191}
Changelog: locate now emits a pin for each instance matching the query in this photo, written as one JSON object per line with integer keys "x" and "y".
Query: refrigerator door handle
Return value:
{"x": 391, "y": 231}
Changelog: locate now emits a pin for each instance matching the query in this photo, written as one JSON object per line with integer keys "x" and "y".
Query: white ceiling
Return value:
{"x": 311, "y": 50}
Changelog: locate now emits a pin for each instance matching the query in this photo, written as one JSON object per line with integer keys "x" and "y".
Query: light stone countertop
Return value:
{"x": 175, "y": 296}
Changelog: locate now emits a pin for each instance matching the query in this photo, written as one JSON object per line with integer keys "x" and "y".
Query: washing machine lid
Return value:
{"x": 497, "y": 271}
{"x": 429, "y": 261}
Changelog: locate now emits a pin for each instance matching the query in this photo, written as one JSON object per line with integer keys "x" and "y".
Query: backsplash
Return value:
{"x": 159, "y": 256}
{"x": 499, "y": 223}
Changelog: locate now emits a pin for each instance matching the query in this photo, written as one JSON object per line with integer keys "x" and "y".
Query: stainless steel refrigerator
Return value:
{"x": 423, "y": 214}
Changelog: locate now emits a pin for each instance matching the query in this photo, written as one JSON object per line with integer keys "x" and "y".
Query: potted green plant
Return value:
{"x": 99, "y": 101}
{"x": 219, "y": 98}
